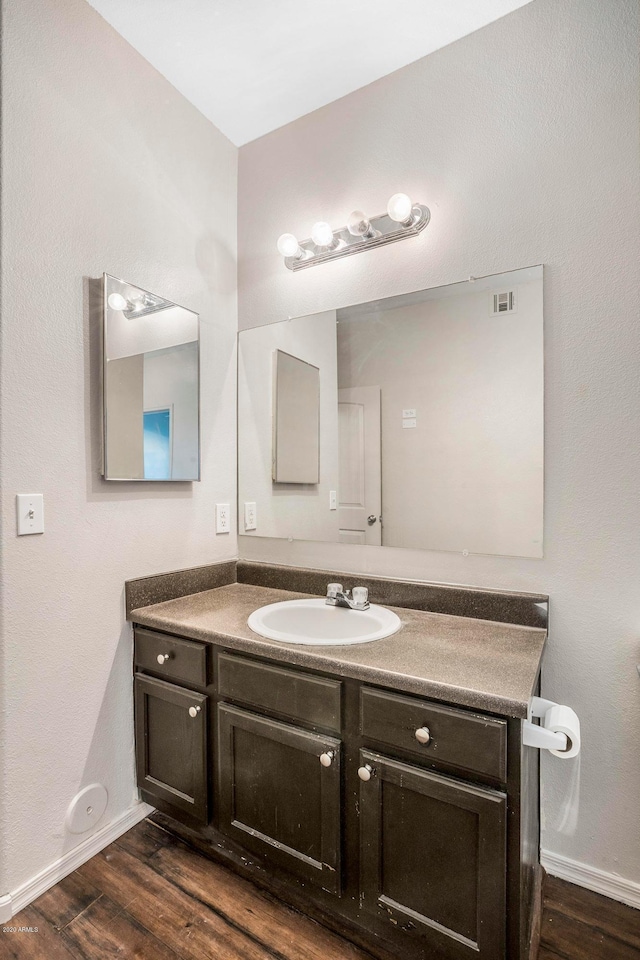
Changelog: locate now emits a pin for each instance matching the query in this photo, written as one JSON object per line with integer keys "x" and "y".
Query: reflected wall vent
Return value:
{"x": 503, "y": 302}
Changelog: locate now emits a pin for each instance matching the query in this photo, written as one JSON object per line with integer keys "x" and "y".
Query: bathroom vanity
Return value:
{"x": 382, "y": 788}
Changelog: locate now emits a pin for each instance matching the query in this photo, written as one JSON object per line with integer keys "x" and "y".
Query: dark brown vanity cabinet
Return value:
{"x": 279, "y": 766}
{"x": 171, "y": 745}
{"x": 433, "y": 848}
{"x": 432, "y": 856}
{"x": 405, "y": 822}
{"x": 172, "y": 723}
{"x": 279, "y": 789}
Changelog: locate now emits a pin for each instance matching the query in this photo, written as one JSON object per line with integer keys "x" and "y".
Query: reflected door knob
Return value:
{"x": 365, "y": 772}
{"x": 326, "y": 759}
{"x": 371, "y": 519}
{"x": 423, "y": 735}
{"x": 163, "y": 657}
{"x": 194, "y": 711}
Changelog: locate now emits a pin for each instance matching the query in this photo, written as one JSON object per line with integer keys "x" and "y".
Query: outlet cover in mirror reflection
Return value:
{"x": 466, "y": 476}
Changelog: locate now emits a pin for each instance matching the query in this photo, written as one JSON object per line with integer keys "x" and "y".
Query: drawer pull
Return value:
{"x": 326, "y": 759}
{"x": 423, "y": 735}
{"x": 365, "y": 773}
{"x": 194, "y": 711}
{"x": 163, "y": 657}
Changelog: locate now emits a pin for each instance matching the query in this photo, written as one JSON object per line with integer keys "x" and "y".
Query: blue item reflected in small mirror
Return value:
{"x": 157, "y": 444}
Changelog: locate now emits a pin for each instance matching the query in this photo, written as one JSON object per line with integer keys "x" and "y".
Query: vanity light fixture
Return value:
{"x": 403, "y": 218}
{"x": 288, "y": 246}
{"x": 401, "y": 209}
{"x": 322, "y": 236}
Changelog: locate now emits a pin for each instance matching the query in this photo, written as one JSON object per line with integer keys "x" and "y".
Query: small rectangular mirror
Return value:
{"x": 151, "y": 386}
{"x": 296, "y": 420}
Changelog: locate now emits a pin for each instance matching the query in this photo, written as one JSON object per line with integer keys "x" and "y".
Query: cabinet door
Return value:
{"x": 433, "y": 857}
{"x": 279, "y": 793}
{"x": 171, "y": 745}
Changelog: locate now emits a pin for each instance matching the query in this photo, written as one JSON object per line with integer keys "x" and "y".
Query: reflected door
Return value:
{"x": 360, "y": 497}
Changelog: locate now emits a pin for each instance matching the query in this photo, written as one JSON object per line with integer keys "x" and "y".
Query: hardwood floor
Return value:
{"x": 150, "y": 897}
{"x": 580, "y": 925}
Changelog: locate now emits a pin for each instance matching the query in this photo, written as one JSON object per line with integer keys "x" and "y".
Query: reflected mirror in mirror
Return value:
{"x": 150, "y": 386}
{"x": 296, "y": 420}
{"x": 431, "y": 420}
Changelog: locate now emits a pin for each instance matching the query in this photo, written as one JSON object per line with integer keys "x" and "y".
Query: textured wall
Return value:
{"x": 105, "y": 167}
{"x": 523, "y": 140}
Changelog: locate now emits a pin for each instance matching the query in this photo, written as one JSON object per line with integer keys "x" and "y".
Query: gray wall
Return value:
{"x": 469, "y": 476}
{"x": 105, "y": 167}
{"x": 523, "y": 140}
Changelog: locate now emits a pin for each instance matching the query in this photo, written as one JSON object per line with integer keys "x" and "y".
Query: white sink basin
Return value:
{"x": 316, "y": 622}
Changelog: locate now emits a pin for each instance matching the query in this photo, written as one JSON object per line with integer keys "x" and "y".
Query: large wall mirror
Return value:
{"x": 430, "y": 415}
{"x": 151, "y": 389}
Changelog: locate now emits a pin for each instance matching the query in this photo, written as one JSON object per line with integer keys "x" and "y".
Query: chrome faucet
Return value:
{"x": 356, "y": 599}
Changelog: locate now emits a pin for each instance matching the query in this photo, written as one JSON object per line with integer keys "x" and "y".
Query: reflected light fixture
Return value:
{"x": 403, "y": 218}
{"x": 140, "y": 307}
{"x": 117, "y": 302}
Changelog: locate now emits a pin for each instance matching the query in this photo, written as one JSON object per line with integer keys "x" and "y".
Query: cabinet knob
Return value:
{"x": 423, "y": 735}
{"x": 163, "y": 657}
{"x": 194, "y": 711}
{"x": 365, "y": 772}
{"x": 326, "y": 759}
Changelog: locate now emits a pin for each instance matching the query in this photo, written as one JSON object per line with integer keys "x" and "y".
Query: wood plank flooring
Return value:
{"x": 150, "y": 897}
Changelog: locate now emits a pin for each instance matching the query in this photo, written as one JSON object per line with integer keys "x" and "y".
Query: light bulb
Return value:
{"x": 358, "y": 225}
{"x": 322, "y": 234}
{"x": 400, "y": 208}
{"x": 117, "y": 302}
{"x": 288, "y": 245}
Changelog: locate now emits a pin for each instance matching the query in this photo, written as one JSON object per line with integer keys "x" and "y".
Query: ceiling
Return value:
{"x": 251, "y": 66}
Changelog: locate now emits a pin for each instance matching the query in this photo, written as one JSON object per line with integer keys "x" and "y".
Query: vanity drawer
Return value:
{"x": 292, "y": 694}
{"x": 186, "y": 659}
{"x": 466, "y": 740}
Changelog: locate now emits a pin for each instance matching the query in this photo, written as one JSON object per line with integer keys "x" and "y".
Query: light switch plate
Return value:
{"x": 223, "y": 520}
{"x": 250, "y": 522}
{"x": 333, "y": 500}
{"x": 409, "y": 424}
{"x": 407, "y": 414}
{"x": 30, "y": 513}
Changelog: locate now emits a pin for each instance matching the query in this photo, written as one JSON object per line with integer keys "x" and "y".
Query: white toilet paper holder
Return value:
{"x": 537, "y": 735}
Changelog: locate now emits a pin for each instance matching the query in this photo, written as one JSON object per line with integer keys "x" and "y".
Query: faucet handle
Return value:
{"x": 360, "y": 595}
{"x": 333, "y": 589}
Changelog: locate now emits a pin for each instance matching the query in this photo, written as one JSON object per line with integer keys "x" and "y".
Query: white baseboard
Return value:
{"x": 5, "y": 908}
{"x": 609, "y": 884}
{"x": 27, "y": 892}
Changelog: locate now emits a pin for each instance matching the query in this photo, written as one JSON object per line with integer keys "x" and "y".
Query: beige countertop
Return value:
{"x": 475, "y": 663}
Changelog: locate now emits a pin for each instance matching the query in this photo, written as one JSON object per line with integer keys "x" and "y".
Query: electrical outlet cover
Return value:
{"x": 250, "y": 516}
{"x": 223, "y": 518}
